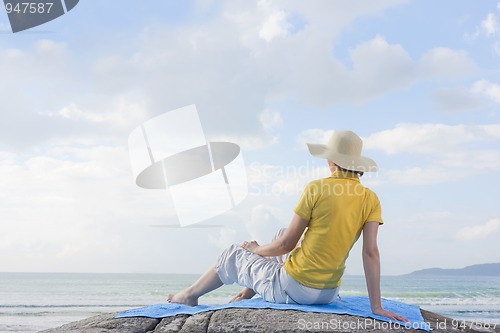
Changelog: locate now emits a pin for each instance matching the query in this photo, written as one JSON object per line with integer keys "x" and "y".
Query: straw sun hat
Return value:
{"x": 344, "y": 149}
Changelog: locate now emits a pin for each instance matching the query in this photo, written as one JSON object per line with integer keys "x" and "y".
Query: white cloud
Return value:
{"x": 275, "y": 25}
{"x": 443, "y": 62}
{"x": 48, "y": 48}
{"x": 314, "y": 135}
{"x": 247, "y": 142}
{"x": 379, "y": 66}
{"x": 45, "y": 59}
{"x": 332, "y": 16}
{"x": 78, "y": 203}
{"x": 303, "y": 63}
{"x": 458, "y": 99}
{"x": 222, "y": 64}
{"x": 279, "y": 180}
{"x": 426, "y": 217}
{"x": 263, "y": 223}
{"x": 120, "y": 112}
{"x": 81, "y": 183}
{"x": 226, "y": 237}
{"x": 451, "y": 150}
{"x": 43, "y": 99}
{"x": 488, "y": 89}
{"x": 489, "y": 28}
{"x": 5, "y": 26}
{"x": 67, "y": 206}
{"x": 452, "y": 166}
{"x": 474, "y": 233}
{"x": 490, "y": 24}
{"x": 434, "y": 139}
{"x": 270, "y": 119}
{"x": 496, "y": 47}
{"x": 421, "y": 176}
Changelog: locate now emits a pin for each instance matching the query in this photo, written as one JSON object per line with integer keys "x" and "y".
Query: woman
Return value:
{"x": 334, "y": 210}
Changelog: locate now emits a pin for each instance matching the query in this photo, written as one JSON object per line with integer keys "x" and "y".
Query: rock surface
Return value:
{"x": 261, "y": 320}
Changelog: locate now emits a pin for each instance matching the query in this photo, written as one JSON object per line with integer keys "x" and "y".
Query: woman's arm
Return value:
{"x": 282, "y": 245}
{"x": 371, "y": 263}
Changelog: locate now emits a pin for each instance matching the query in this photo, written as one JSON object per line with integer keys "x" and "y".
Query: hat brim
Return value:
{"x": 348, "y": 162}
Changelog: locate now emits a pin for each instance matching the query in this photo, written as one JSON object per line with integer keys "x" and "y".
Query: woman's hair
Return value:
{"x": 360, "y": 173}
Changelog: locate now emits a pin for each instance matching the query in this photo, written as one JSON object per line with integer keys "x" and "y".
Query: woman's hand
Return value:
{"x": 391, "y": 315}
{"x": 250, "y": 246}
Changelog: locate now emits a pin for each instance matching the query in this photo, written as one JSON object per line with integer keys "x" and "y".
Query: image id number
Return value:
{"x": 29, "y": 7}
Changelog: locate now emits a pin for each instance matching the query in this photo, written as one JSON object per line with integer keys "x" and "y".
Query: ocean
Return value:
{"x": 30, "y": 302}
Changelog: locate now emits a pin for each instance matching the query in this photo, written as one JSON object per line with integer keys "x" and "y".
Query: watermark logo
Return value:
{"x": 26, "y": 14}
{"x": 204, "y": 178}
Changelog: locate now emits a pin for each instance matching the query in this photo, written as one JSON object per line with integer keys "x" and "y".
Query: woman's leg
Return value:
{"x": 247, "y": 293}
{"x": 207, "y": 282}
{"x": 237, "y": 265}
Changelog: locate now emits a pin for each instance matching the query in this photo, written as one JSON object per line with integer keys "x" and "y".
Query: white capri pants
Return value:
{"x": 267, "y": 277}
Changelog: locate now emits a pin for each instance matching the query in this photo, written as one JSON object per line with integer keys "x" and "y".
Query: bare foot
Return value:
{"x": 246, "y": 293}
{"x": 182, "y": 298}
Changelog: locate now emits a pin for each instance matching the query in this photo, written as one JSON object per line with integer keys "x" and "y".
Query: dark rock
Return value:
{"x": 293, "y": 321}
{"x": 197, "y": 323}
{"x": 443, "y": 324}
{"x": 106, "y": 324}
{"x": 262, "y": 320}
{"x": 171, "y": 324}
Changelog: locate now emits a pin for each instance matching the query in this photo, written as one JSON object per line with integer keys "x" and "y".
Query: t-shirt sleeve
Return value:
{"x": 306, "y": 203}
{"x": 375, "y": 214}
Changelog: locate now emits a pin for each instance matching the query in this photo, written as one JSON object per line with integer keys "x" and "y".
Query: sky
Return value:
{"x": 417, "y": 80}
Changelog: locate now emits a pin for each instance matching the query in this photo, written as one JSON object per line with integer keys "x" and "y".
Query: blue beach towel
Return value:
{"x": 350, "y": 305}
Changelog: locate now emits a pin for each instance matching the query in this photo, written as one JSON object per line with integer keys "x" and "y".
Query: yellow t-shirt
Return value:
{"x": 337, "y": 208}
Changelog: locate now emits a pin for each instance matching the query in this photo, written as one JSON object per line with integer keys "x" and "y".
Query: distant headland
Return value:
{"x": 473, "y": 270}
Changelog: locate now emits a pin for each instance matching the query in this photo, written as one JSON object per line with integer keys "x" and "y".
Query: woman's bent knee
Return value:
{"x": 226, "y": 264}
